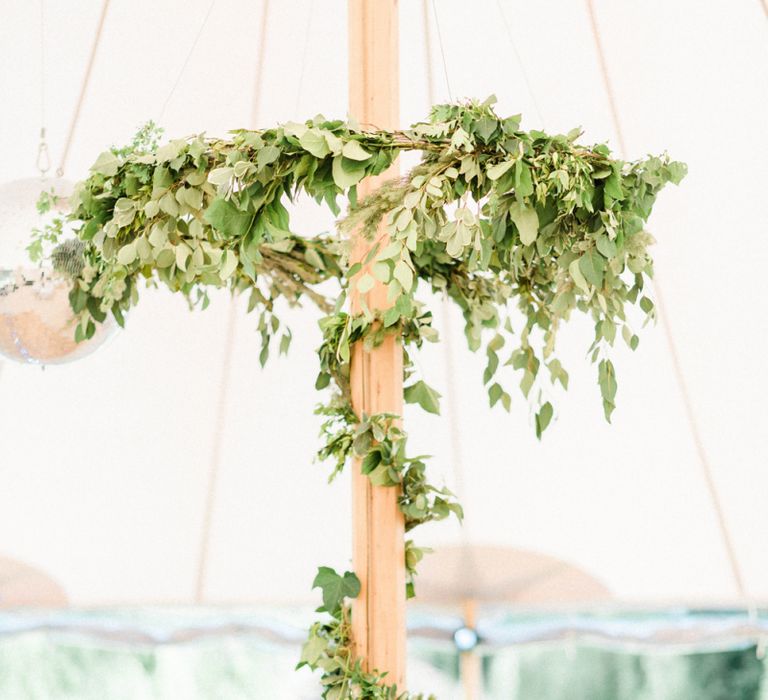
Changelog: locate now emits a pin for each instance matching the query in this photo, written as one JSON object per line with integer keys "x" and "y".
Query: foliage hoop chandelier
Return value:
{"x": 492, "y": 214}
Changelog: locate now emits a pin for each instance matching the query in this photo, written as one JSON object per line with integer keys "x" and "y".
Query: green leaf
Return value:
{"x": 335, "y": 587}
{"x": 527, "y": 221}
{"x": 106, "y": 164}
{"x": 606, "y": 377}
{"x": 314, "y": 141}
{"x": 365, "y": 284}
{"x": 592, "y": 266}
{"x": 677, "y": 171}
{"x": 226, "y": 218}
{"x": 613, "y": 185}
{"x": 578, "y": 278}
{"x": 228, "y": 264}
{"x": 495, "y": 392}
{"x": 543, "y": 418}
{"x": 607, "y": 247}
{"x": 354, "y": 151}
{"x": 485, "y": 127}
{"x": 404, "y": 275}
{"x": 267, "y": 156}
{"x": 221, "y": 176}
{"x": 496, "y": 171}
{"x": 523, "y": 180}
{"x": 313, "y": 649}
{"x": 127, "y": 254}
{"x": 424, "y": 395}
{"x": 345, "y": 177}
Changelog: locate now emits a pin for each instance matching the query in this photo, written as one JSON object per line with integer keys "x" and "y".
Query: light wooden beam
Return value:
{"x": 470, "y": 662}
{"x": 378, "y": 614}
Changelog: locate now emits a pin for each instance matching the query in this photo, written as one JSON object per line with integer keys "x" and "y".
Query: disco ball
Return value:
{"x": 37, "y": 324}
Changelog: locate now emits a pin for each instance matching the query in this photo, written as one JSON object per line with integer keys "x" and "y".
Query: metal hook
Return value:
{"x": 43, "y": 156}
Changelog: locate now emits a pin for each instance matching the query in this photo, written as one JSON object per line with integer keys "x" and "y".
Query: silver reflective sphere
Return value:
{"x": 37, "y": 325}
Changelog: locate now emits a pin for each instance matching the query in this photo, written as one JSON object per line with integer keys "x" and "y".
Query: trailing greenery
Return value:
{"x": 492, "y": 214}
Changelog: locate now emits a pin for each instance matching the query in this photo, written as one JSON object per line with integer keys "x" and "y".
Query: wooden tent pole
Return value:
{"x": 470, "y": 663}
{"x": 378, "y": 614}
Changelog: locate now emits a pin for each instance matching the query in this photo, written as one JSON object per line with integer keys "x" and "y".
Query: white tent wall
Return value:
{"x": 104, "y": 464}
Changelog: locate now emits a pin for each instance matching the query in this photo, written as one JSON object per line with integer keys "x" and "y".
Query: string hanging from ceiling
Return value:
{"x": 187, "y": 58}
{"x": 690, "y": 413}
{"x": 451, "y": 394}
{"x": 442, "y": 51}
{"x": 521, "y": 65}
{"x": 83, "y": 89}
{"x": 304, "y": 56}
{"x": 225, "y": 378}
{"x": 43, "y": 162}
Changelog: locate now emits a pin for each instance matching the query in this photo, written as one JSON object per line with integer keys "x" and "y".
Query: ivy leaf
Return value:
{"x": 336, "y": 587}
{"x": 495, "y": 392}
{"x": 485, "y": 127}
{"x": 312, "y": 650}
{"x": 424, "y": 395}
{"x": 592, "y": 266}
{"x": 527, "y": 221}
{"x": 226, "y": 218}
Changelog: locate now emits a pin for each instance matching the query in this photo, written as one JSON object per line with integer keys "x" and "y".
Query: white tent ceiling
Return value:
{"x": 104, "y": 463}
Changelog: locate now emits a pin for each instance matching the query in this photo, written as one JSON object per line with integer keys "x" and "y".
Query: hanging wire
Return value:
{"x": 225, "y": 380}
{"x": 520, "y": 63}
{"x": 304, "y": 54}
{"x": 183, "y": 68}
{"x": 442, "y": 51}
{"x": 43, "y": 162}
{"x": 42, "y": 65}
{"x": 690, "y": 413}
{"x": 83, "y": 89}
{"x": 451, "y": 395}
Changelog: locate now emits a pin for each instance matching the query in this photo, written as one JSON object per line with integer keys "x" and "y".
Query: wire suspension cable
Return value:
{"x": 225, "y": 379}
{"x": 451, "y": 403}
{"x": 83, "y": 89}
{"x": 690, "y": 413}
{"x": 442, "y": 52}
{"x": 520, "y": 63}
{"x": 187, "y": 58}
{"x": 304, "y": 54}
{"x": 43, "y": 161}
{"x": 42, "y": 64}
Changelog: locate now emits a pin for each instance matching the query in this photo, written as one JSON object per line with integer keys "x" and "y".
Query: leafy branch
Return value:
{"x": 520, "y": 230}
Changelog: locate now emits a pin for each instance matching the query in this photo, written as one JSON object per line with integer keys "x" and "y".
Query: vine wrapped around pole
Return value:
{"x": 520, "y": 229}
